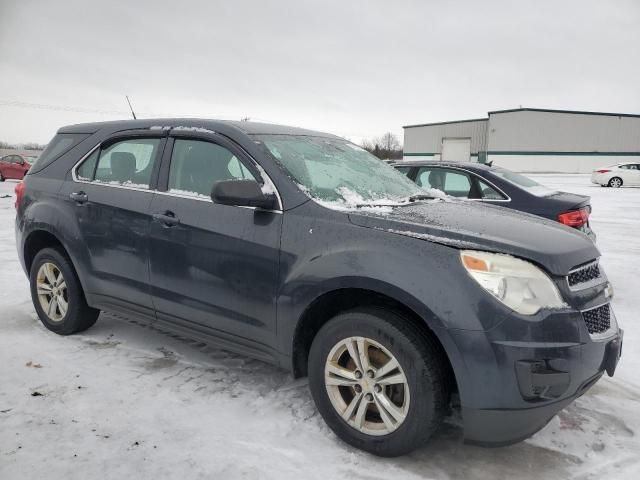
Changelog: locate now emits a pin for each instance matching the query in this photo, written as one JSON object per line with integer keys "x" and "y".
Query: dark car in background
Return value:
{"x": 302, "y": 249}
{"x": 13, "y": 167}
{"x": 499, "y": 186}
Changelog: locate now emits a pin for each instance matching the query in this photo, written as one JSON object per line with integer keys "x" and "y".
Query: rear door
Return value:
{"x": 111, "y": 193}
{"x": 13, "y": 167}
{"x": 4, "y": 165}
{"x": 214, "y": 268}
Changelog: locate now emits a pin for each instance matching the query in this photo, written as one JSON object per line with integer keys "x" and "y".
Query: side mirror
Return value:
{"x": 242, "y": 193}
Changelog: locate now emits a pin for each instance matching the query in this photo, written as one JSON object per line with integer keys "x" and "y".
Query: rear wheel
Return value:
{"x": 1, "y": 177}
{"x": 378, "y": 381}
{"x": 57, "y": 294}
{"x": 615, "y": 182}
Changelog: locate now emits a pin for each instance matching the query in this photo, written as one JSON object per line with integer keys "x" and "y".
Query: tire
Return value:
{"x": 45, "y": 272}
{"x": 1, "y": 177}
{"x": 423, "y": 398}
{"x": 615, "y": 182}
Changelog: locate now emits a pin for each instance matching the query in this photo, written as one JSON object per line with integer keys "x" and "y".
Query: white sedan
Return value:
{"x": 622, "y": 174}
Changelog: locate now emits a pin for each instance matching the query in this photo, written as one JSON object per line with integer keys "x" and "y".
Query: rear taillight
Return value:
{"x": 574, "y": 218}
{"x": 19, "y": 193}
{"x": 603, "y": 170}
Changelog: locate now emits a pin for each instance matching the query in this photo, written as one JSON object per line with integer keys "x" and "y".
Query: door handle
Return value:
{"x": 79, "y": 197}
{"x": 168, "y": 218}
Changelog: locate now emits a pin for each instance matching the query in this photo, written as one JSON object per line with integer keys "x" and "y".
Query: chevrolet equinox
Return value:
{"x": 301, "y": 249}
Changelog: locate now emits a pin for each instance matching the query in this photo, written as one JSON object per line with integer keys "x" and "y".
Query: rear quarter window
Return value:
{"x": 58, "y": 146}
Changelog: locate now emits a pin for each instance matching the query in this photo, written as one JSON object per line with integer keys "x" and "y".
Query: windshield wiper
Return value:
{"x": 421, "y": 196}
{"x": 402, "y": 203}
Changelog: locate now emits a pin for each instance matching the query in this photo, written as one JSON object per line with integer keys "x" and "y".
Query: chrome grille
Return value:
{"x": 582, "y": 275}
{"x": 598, "y": 320}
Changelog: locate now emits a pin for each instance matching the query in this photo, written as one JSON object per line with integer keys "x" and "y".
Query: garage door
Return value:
{"x": 456, "y": 149}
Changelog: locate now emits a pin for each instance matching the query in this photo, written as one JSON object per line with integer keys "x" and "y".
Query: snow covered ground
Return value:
{"x": 127, "y": 401}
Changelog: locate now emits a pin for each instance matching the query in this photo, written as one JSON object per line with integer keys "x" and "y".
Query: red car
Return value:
{"x": 13, "y": 166}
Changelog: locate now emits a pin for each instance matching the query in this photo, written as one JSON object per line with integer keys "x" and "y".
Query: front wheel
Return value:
{"x": 378, "y": 381}
{"x": 57, "y": 294}
{"x": 615, "y": 182}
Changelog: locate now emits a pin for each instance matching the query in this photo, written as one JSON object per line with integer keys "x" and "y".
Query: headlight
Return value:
{"x": 518, "y": 284}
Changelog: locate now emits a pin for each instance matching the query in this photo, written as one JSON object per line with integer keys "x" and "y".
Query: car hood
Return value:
{"x": 486, "y": 227}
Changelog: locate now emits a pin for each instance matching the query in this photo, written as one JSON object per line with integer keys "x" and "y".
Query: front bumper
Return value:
{"x": 514, "y": 388}
{"x": 501, "y": 427}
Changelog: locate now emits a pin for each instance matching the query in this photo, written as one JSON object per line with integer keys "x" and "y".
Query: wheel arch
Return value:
{"x": 38, "y": 240}
{"x": 326, "y": 306}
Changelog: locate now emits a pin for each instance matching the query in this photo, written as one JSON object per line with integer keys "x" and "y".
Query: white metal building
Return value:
{"x": 530, "y": 140}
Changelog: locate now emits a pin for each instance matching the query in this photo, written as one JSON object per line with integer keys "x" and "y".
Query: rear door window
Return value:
{"x": 127, "y": 163}
{"x": 487, "y": 192}
{"x": 457, "y": 184}
{"x": 87, "y": 169}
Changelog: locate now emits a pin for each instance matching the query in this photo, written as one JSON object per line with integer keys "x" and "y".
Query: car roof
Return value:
{"x": 441, "y": 163}
{"x": 209, "y": 124}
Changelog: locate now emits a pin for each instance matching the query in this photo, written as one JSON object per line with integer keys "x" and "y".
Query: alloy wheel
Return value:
{"x": 367, "y": 386}
{"x": 615, "y": 182}
{"x": 52, "y": 292}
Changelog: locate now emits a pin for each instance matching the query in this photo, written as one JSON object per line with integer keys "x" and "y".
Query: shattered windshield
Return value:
{"x": 339, "y": 174}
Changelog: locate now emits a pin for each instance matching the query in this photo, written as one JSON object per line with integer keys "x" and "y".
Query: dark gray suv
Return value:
{"x": 301, "y": 249}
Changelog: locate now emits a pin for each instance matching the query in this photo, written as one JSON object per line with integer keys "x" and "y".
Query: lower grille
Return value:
{"x": 598, "y": 320}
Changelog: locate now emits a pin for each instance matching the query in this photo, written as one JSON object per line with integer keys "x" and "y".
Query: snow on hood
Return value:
{"x": 486, "y": 227}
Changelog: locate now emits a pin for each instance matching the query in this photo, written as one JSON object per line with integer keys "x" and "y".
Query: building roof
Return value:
{"x": 574, "y": 112}
{"x": 446, "y": 123}
{"x": 547, "y": 110}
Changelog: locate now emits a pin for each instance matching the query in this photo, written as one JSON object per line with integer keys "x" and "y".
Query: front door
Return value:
{"x": 111, "y": 193}
{"x": 214, "y": 268}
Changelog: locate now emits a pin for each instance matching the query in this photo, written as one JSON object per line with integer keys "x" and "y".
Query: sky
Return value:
{"x": 354, "y": 68}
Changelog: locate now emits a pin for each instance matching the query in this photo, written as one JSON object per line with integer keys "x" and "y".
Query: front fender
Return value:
{"x": 318, "y": 257}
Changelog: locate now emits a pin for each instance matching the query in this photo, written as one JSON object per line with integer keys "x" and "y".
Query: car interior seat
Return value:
{"x": 123, "y": 166}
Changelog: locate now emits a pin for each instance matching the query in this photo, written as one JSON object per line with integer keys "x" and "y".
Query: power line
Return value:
{"x": 125, "y": 113}
{"x": 60, "y": 108}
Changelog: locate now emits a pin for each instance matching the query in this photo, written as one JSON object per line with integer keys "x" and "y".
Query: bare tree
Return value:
{"x": 389, "y": 142}
{"x": 32, "y": 146}
{"x": 384, "y": 147}
{"x": 368, "y": 145}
